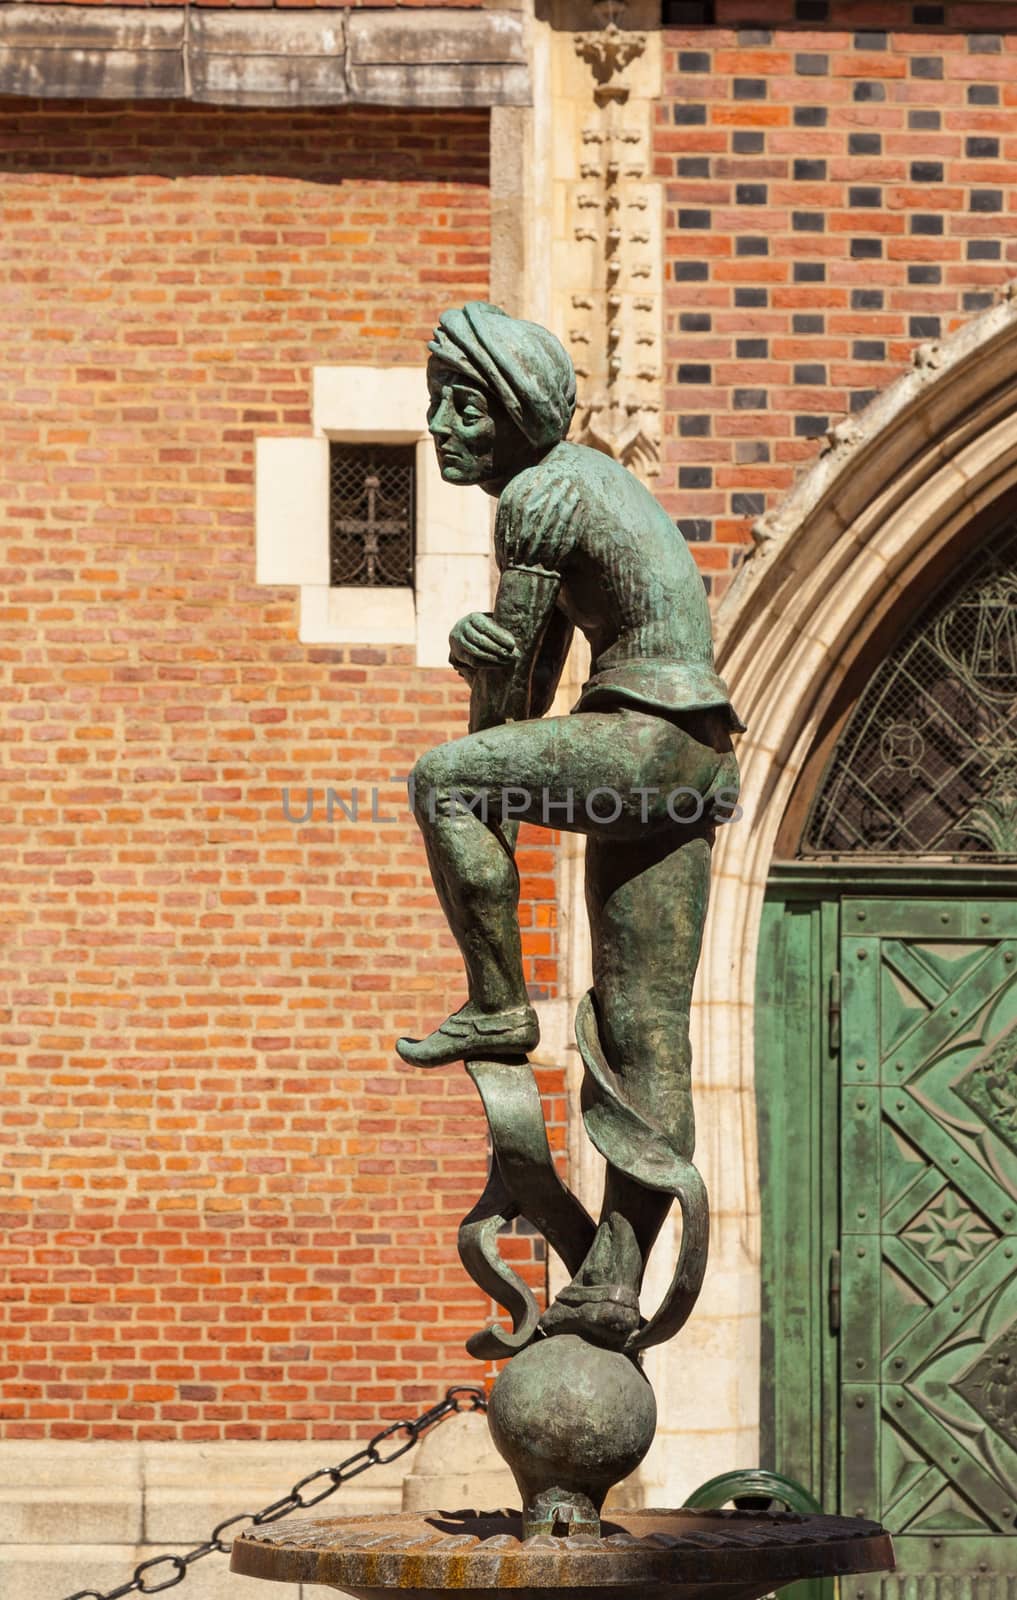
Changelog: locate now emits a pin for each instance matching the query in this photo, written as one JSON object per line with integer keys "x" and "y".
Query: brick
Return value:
{"x": 212, "y": 1081}
{"x": 896, "y": 132}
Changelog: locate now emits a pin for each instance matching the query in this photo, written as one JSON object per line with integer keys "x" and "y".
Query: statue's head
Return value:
{"x": 502, "y": 394}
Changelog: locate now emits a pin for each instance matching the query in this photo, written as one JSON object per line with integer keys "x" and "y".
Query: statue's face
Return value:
{"x": 474, "y": 438}
{"x": 461, "y": 425}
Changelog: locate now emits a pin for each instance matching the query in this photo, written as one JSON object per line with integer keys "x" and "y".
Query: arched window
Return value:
{"x": 926, "y": 764}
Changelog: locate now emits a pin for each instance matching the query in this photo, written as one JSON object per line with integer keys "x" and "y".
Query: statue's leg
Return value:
{"x": 647, "y": 900}
{"x": 589, "y": 773}
{"x": 468, "y": 797}
{"x": 647, "y": 904}
{"x": 456, "y": 793}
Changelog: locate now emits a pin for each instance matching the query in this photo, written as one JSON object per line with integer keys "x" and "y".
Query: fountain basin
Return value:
{"x": 655, "y": 1555}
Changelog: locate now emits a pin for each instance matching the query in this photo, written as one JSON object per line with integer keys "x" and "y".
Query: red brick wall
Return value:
{"x": 227, "y": 1209}
{"x": 840, "y": 187}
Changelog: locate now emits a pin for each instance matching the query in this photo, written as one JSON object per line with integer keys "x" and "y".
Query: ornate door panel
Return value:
{"x": 928, "y": 1248}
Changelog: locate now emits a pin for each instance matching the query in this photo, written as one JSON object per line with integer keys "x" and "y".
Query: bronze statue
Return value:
{"x": 643, "y": 766}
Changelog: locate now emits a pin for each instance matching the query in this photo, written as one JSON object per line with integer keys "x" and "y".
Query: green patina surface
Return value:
{"x": 644, "y": 767}
{"x": 890, "y": 1291}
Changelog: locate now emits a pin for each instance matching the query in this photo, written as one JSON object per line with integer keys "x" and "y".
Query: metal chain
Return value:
{"x": 325, "y": 1481}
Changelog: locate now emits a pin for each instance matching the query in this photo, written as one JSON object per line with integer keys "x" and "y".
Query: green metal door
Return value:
{"x": 928, "y": 1249}
{"x": 887, "y": 1087}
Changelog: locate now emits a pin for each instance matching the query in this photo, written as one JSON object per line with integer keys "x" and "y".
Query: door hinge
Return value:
{"x": 833, "y": 1011}
{"x": 833, "y": 1291}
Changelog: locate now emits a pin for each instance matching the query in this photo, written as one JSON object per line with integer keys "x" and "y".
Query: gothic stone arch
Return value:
{"x": 893, "y": 491}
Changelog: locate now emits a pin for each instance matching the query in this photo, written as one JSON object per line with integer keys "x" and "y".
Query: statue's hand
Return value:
{"x": 479, "y": 641}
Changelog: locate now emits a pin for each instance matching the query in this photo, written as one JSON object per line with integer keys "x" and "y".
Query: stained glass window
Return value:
{"x": 927, "y": 762}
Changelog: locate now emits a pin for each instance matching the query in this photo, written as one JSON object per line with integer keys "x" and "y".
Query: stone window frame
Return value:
{"x": 452, "y": 569}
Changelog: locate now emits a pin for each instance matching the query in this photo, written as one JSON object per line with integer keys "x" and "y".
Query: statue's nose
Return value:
{"x": 440, "y": 423}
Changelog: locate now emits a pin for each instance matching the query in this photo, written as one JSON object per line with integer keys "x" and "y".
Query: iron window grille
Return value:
{"x": 372, "y": 517}
{"x": 927, "y": 762}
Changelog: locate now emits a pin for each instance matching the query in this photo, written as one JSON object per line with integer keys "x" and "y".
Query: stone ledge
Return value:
{"x": 101, "y": 1494}
{"x": 76, "y": 1515}
{"x": 34, "y": 1572}
{"x": 423, "y": 58}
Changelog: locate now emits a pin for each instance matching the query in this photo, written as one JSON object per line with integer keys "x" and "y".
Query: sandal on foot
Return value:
{"x": 474, "y": 1035}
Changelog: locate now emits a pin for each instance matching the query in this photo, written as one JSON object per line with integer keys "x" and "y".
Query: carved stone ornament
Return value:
{"x": 610, "y": 51}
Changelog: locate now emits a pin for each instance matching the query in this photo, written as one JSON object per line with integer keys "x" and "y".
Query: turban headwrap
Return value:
{"x": 522, "y": 365}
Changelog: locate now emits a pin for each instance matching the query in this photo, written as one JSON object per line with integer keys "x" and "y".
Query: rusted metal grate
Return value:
{"x": 372, "y": 525}
{"x": 927, "y": 762}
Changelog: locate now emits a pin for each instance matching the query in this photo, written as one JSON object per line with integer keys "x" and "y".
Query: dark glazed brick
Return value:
{"x": 750, "y": 194}
{"x": 868, "y": 350}
{"x": 867, "y": 299}
{"x": 926, "y": 66}
{"x": 695, "y": 322}
{"x": 866, "y": 249}
{"x": 861, "y": 398}
{"x": 693, "y": 166}
{"x": 747, "y": 450}
{"x": 808, "y": 222}
{"x": 686, "y": 13}
{"x": 812, "y": 11}
{"x": 924, "y": 328}
{"x": 985, "y": 200}
{"x": 751, "y": 349}
{"x": 870, "y": 41}
{"x": 694, "y": 372}
{"x": 751, "y": 38}
{"x": 690, "y": 116}
{"x": 695, "y": 477}
{"x": 869, "y": 91}
{"x": 696, "y": 529}
{"x": 807, "y": 171}
{"x": 865, "y": 144}
{"x": 808, "y": 427}
{"x": 923, "y": 273}
{"x": 751, "y": 297}
{"x": 924, "y": 222}
{"x": 693, "y": 61}
{"x": 749, "y": 88}
{"x": 809, "y": 372}
{"x": 983, "y": 94}
{"x": 977, "y": 300}
{"x": 809, "y": 272}
{"x": 808, "y": 322}
{"x": 984, "y": 250}
{"x": 694, "y": 427}
{"x": 926, "y": 121}
{"x": 691, "y": 271}
{"x": 864, "y": 196}
{"x": 745, "y": 142}
{"x": 985, "y": 44}
{"x": 812, "y": 66}
{"x": 926, "y": 172}
{"x": 749, "y": 399}
{"x": 925, "y": 16}
{"x": 747, "y": 505}
{"x": 694, "y": 219}
{"x": 810, "y": 116}
{"x": 979, "y": 149}
{"x": 751, "y": 245}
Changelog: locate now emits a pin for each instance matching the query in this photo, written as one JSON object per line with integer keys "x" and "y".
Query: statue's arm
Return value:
{"x": 524, "y": 608}
{"x": 514, "y": 656}
{"x": 550, "y": 663}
